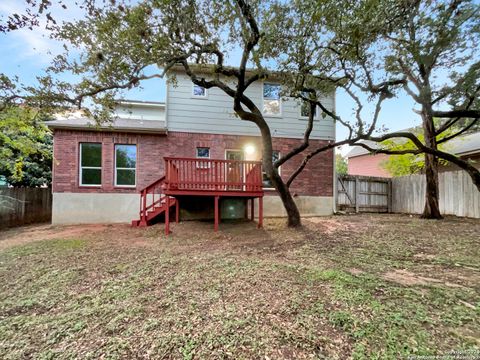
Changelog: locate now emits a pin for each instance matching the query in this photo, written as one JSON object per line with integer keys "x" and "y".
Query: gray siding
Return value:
{"x": 214, "y": 114}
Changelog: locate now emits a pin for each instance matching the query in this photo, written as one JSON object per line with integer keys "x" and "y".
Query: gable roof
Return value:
{"x": 461, "y": 145}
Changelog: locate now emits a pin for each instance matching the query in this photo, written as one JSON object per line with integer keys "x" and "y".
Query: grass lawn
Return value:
{"x": 361, "y": 287}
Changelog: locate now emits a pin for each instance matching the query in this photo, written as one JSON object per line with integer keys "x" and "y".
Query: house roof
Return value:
{"x": 117, "y": 124}
{"x": 158, "y": 104}
{"x": 465, "y": 145}
{"x": 462, "y": 145}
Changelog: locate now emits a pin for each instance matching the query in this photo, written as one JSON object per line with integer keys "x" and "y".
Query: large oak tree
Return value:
{"x": 370, "y": 47}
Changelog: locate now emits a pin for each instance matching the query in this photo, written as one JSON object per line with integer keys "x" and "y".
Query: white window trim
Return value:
{"x": 280, "y": 114}
{"x": 193, "y": 96}
{"x": 315, "y": 118}
{"x": 235, "y": 150}
{"x": 80, "y": 167}
{"x": 122, "y": 168}
{"x": 279, "y": 172}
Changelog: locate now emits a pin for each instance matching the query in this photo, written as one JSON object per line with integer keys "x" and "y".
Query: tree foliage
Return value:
{"x": 372, "y": 50}
{"x": 428, "y": 50}
{"x": 341, "y": 166}
{"x": 25, "y": 148}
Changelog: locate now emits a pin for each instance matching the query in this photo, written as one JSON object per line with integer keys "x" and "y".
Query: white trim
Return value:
{"x": 115, "y": 168}
{"x": 280, "y": 114}
{"x": 203, "y": 97}
{"x": 80, "y": 167}
{"x": 234, "y": 150}
{"x": 301, "y": 117}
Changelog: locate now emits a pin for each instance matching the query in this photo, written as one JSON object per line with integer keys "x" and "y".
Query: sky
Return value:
{"x": 27, "y": 53}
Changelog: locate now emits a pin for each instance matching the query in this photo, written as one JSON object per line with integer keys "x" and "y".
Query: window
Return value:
{"x": 305, "y": 108}
{"x": 271, "y": 99}
{"x": 199, "y": 91}
{"x": 125, "y": 165}
{"x": 90, "y": 164}
{"x": 203, "y": 153}
{"x": 234, "y": 155}
{"x": 267, "y": 183}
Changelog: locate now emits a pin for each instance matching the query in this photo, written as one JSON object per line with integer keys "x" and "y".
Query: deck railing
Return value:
{"x": 192, "y": 174}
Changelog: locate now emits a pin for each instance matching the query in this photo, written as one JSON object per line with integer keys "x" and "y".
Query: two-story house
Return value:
{"x": 101, "y": 174}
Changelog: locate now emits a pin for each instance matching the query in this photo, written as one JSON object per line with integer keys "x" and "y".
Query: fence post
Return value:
{"x": 389, "y": 196}
{"x": 357, "y": 195}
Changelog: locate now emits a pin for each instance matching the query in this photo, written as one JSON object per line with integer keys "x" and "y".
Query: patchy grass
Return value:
{"x": 361, "y": 287}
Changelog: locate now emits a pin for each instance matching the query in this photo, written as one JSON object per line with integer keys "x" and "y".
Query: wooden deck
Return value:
{"x": 185, "y": 177}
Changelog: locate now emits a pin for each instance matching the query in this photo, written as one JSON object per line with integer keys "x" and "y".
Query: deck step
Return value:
{"x": 153, "y": 213}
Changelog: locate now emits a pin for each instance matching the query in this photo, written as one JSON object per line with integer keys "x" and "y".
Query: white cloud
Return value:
{"x": 25, "y": 43}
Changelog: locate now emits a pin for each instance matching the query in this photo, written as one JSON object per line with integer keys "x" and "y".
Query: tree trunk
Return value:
{"x": 293, "y": 215}
{"x": 432, "y": 208}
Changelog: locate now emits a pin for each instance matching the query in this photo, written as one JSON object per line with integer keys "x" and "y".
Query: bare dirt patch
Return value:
{"x": 408, "y": 278}
{"x": 28, "y": 234}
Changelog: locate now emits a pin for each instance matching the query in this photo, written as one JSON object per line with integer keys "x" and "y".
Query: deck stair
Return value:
{"x": 153, "y": 204}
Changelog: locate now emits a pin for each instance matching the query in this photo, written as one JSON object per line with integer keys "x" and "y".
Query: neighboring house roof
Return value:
{"x": 358, "y": 150}
{"x": 118, "y": 124}
{"x": 465, "y": 145}
{"x": 462, "y": 145}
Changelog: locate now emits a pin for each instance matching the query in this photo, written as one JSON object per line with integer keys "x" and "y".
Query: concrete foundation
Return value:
{"x": 89, "y": 208}
{"x": 307, "y": 205}
{"x": 85, "y": 208}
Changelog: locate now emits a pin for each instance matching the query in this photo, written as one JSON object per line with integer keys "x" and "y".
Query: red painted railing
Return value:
{"x": 150, "y": 197}
{"x": 191, "y": 174}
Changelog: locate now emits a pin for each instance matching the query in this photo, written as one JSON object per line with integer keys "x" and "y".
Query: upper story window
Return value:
{"x": 271, "y": 99}
{"x": 90, "y": 164}
{"x": 305, "y": 108}
{"x": 267, "y": 183}
{"x": 199, "y": 91}
{"x": 125, "y": 165}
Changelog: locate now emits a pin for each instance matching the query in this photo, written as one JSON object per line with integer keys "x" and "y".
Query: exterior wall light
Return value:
{"x": 249, "y": 149}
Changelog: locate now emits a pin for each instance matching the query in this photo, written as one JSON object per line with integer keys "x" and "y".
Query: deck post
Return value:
{"x": 144, "y": 213}
{"x": 177, "y": 211}
{"x": 216, "y": 213}
{"x": 260, "y": 212}
{"x": 252, "y": 209}
{"x": 167, "y": 215}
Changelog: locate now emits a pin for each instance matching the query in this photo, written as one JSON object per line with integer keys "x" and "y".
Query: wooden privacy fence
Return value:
{"x": 20, "y": 206}
{"x": 458, "y": 194}
{"x": 363, "y": 193}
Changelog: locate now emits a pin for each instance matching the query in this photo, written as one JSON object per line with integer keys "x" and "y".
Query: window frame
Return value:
{"x": 235, "y": 150}
{"x": 301, "y": 117}
{"x": 280, "y": 102}
{"x": 279, "y": 172}
{"x": 199, "y": 96}
{"x": 200, "y": 164}
{"x": 115, "y": 168}
{"x": 80, "y": 167}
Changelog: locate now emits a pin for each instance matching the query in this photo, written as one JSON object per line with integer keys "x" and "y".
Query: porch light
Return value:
{"x": 249, "y": 149}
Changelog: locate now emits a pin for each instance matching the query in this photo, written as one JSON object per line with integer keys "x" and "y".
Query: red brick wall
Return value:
{"x": 316, "y": 179}
{"x": 368, "y": 165}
